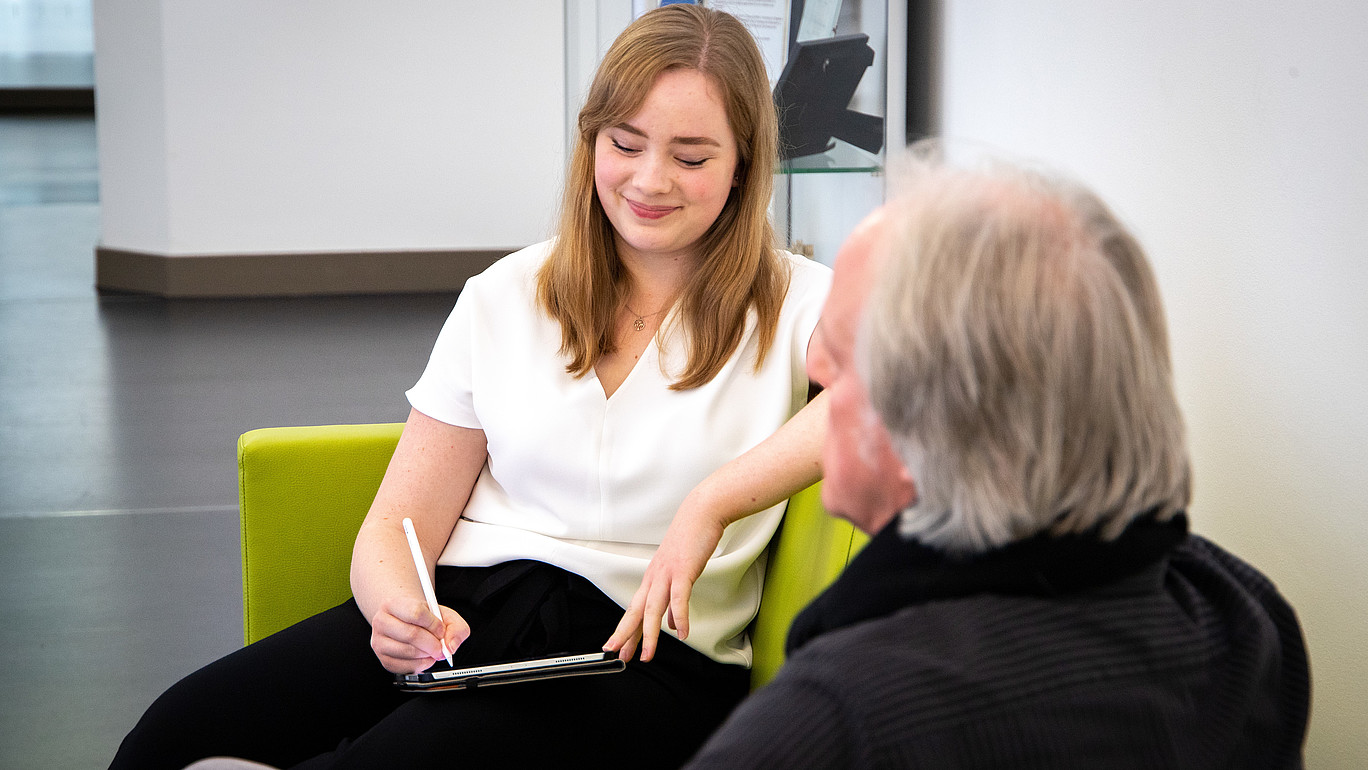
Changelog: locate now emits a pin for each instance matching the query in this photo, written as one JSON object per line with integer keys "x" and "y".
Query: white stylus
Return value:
{"x": 424, "y": 579}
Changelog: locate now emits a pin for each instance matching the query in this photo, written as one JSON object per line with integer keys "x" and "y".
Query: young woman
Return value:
{"x": 600, "y": 446}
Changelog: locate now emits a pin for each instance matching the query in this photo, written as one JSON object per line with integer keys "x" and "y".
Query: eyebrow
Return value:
{"x": 689, "y": 140}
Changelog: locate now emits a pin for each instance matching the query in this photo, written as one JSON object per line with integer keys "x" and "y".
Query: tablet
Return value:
{"x": 440, "y": 678}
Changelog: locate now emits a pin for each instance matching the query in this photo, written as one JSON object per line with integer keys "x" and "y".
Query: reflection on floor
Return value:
{"x": 119, "y": 567}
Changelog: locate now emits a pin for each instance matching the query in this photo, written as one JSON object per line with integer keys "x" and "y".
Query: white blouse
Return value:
{"x": 589, "y": 483}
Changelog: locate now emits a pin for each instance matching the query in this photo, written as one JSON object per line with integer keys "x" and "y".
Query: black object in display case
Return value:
{"x": 814, "y": 91}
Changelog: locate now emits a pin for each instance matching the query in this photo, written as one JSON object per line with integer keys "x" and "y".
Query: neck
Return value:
{"x": 654, "y": 279}
{"x": 652, "y": 286}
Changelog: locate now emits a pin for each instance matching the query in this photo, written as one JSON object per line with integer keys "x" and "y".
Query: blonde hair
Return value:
{"x": 1016, "y": 348}
{"x": 582, "y": 283}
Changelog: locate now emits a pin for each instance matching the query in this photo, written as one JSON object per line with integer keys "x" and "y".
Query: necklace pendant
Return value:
{"x": 639, "y": 324}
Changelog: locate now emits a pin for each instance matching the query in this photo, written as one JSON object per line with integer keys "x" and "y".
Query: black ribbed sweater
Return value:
{"x": 1155, "y": 650}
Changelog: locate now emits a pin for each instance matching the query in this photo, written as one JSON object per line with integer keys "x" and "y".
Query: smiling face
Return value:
{"x": 664, "y": 174}
{"x": 864, "y": 481}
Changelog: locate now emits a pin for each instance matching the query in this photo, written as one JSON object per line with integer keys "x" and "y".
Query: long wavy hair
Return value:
{"x": 583, "y": 282}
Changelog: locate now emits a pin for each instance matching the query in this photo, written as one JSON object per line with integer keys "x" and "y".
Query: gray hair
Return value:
{"x": 1015, "y": 346}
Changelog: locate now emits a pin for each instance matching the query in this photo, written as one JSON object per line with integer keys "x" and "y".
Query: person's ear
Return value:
{"x": 907, "y": 487}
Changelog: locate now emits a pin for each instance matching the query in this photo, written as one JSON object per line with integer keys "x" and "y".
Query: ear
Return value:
{"x": 907, "y": 487}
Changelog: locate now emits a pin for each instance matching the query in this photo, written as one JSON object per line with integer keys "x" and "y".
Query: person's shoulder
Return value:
{"x": 1197, "y": 550}
{"x": 806, "y": 267}
{"x": 1232, "y": 583}
{"x": 807, "y": 278}
{"x": 1198, "y": 554}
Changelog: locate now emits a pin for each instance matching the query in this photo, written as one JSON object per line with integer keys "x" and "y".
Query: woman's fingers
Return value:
{"x": 664, "y": 593}
{"x": 628, "y": 632}
{"x": 407, "y": 637}
{"x": 624, "y": 640}
{"x": 650, "y": 631}
{"x": 398, "y": 656}
{"x": 457, "y": 629}
{"x": 680, "y": 591}
{"x": 641, "y": 622}
{"x": 667, "y": 602}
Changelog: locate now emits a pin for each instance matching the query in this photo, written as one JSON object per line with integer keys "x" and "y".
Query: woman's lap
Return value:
{"x": 316, "y": 692}
{"x": 632, "y": 716}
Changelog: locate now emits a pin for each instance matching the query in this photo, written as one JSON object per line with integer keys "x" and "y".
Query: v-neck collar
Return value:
{"x": 651, "y": 351}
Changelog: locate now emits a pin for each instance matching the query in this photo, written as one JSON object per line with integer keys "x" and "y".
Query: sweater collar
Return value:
{"x": 892, "y": 572}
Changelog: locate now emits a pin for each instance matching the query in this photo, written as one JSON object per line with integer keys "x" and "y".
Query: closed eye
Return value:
{"x": 634, "y": 151}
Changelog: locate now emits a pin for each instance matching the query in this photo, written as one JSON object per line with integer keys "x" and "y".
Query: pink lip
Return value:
{"x": 650, "y": 212}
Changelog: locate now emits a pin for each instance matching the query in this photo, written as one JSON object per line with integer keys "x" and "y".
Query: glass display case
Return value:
{"x": 820, "y": 196}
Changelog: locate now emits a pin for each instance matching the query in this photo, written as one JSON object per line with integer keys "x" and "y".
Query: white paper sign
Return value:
{"x": 768, "y": 22}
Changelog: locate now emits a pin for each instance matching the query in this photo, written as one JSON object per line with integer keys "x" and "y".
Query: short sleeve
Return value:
{"x": 808, "y": 287}
{"x": 444, "y": 392}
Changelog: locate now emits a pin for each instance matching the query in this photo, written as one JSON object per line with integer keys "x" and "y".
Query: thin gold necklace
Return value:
{"x": 640, "y": 323}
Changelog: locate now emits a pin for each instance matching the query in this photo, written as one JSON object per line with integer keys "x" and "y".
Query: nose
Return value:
{"x": 653, "y": 174}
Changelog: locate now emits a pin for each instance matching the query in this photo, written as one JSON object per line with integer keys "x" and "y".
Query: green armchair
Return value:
{"x": 304, "y": 491}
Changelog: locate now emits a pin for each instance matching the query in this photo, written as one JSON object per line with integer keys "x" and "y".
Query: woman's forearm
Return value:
{"x": 382, "y": 566}
{"x": 429, "y": 480}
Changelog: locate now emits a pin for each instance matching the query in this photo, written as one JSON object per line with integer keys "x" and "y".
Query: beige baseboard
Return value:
{"x": 288, "y": 275}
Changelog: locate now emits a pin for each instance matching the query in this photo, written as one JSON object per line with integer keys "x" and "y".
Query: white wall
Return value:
{"x": 319, "y": 126}
{"x": 1231, "y": 136}
{"x": 131, "y": 126}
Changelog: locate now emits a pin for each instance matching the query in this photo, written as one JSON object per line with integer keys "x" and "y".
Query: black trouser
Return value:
{"x": 315, "y": 696}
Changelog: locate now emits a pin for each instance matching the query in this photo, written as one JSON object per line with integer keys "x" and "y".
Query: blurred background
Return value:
{"x": 278, "y": 202}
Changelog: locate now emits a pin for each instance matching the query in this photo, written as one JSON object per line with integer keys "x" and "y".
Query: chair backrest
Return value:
{"x": 809, "y": 551}
{"x": 304, "y": 491}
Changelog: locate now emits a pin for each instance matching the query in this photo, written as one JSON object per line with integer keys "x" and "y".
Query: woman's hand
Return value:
{"x": 768, "y": 473}
{"x": 667, "y": 585}
{"x": 407, "y": 637}
{"x": 429, "y": 480}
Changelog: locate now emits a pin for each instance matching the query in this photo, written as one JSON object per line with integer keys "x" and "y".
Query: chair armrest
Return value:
{"x": 302, "y": 494}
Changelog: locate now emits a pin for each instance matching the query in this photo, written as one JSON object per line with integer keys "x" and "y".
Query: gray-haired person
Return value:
{"x": 1003, "y": 422}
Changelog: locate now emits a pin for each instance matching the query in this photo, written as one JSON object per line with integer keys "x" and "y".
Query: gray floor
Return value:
{"x": 119, "y": 568}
